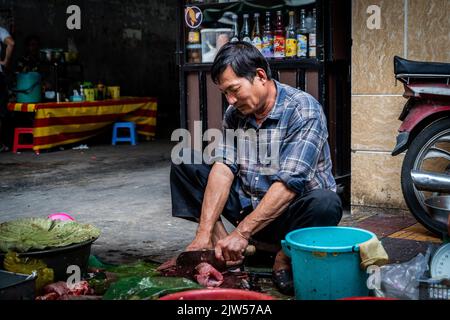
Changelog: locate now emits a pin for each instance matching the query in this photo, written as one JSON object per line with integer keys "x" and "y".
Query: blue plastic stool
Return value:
{"x": 131, "y": 138}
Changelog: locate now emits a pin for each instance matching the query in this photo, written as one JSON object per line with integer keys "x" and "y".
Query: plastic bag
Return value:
{"x": 136, "y": 281}
{"x": 401, "y": 281}
{"x": 109, "y": 273}
{"x": 147, "y": 288}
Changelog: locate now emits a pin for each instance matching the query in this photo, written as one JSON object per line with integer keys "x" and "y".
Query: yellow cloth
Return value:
{"x": 372, "y": 252}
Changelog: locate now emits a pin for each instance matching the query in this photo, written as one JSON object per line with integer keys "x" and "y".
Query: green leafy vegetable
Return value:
{"x": 30, "y": 234}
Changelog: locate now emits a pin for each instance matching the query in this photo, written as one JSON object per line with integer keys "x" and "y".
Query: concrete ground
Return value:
{"x": 124, "y": 191}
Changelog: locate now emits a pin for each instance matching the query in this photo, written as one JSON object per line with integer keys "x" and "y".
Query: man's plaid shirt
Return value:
{"x": 297, "y": 127}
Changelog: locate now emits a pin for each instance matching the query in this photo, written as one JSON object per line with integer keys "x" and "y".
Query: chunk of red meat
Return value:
{"x": 80, "y": 289}
{"x": 168, "y": 268}
{"x": 60, "y": 288}
{"x": 60, "y": 291}
{"x": 49, "y": 296}
{"x": 208, "y": 276}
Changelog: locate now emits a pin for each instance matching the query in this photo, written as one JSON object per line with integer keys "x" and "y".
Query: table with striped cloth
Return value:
{"x": 57, "y": 124}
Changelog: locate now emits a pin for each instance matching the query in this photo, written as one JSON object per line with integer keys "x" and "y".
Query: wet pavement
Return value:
{"x": 124, "y": 191}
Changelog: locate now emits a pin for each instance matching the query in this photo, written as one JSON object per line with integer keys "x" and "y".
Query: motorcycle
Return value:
{"x": 425, "y": 135}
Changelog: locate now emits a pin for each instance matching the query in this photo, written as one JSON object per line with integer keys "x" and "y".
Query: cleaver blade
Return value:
{"x": 188, "y": 260}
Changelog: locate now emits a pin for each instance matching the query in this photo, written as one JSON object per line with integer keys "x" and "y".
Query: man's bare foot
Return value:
{"x": 282, "y": 261}
{"x": 282, "y": 274}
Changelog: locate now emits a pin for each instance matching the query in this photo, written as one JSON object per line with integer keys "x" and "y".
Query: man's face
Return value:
{"x": 244, "y": 95}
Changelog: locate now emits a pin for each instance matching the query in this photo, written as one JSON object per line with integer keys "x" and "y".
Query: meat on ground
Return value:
{"x": 208, "y": 276}
{"x": 60, "y": 291}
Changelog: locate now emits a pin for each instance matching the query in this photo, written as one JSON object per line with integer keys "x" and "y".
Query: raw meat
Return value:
{"x": 208, "y": 276}
{"x": 169, "y": 268}
{"x": 60, "y": 291}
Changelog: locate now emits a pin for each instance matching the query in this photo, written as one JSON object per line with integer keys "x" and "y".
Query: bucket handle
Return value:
{"x": 286, "y": 248}
{"x": 26, "y": 91}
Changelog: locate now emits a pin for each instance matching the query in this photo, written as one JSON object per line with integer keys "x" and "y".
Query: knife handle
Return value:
{"x": 249, "y": 251}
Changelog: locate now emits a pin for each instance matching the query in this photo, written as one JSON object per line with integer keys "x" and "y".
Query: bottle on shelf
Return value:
{"x": 194, "y": 47}
{"x": 100, "y": 91}
{"x": 312, "y": 36}
{"x": 83, "y": 97}
{"x": 291, "y": 37}
{"x": 279, "y": 41}
{"x": 267, "y": 39}
{"x": 235, "y": 32}
{"x": 256, "y": 33}
{"x": 194, "y": 36}
{"x": 245, "y": 32}
{"x": 302, "y": 36}
{"x": 308, "y": 20}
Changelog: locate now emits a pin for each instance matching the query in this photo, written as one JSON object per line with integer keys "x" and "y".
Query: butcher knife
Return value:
{"x": 188, "y": 260}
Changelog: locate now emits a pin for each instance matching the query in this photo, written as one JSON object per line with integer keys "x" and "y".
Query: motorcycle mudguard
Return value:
{"x": 402, "y": 143}
{"x": 415, "y": 116}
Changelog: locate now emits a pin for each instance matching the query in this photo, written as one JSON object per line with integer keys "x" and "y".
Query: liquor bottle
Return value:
{"x": 194, "y": 36}
{"x": 83, "y": 97}
{"x": 291, "y": 38}
{"x": 312, "y": 36}
{"x": 308, "y": 20}
{"x": 256, "y": 33}
{"x": 235, "y": 36}
{"x": 302, "y": 36}
{"x": 194, "y": 47}
{"x": 279, "y": 41}
{"x": 267, "y": 40}
{"x": 245, "y": 32}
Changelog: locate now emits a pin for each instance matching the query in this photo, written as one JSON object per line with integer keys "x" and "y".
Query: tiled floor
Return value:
{"x": 401, "y": 235}
{"x": 416, "y": 232}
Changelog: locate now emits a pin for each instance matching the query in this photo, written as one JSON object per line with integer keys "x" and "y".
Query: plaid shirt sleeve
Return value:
{"x": 226, "y": 151}
{"x": 306, "y": 134}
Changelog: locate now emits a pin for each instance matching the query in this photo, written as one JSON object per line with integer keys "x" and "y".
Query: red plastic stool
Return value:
{"x": 17, "y": 133}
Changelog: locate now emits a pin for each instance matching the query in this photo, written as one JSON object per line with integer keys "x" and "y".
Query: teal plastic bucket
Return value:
{"x": 326, "y": 262}
{"x": 28, "y": 87}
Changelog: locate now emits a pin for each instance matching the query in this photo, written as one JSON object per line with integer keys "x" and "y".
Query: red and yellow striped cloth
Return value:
{"x": 63, "y": 123}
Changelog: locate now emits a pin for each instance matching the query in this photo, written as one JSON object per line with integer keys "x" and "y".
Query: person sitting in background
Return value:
{"x": 8, "y": 41}
{"x": 30, "y": 62}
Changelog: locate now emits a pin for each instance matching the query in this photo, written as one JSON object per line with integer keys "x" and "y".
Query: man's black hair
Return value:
{"x": 244, "y": 59}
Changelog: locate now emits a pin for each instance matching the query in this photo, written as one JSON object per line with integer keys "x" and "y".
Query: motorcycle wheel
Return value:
{"x": 429, "y": 151}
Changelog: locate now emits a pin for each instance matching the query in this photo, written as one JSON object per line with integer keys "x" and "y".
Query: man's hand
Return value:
{"x": 4, "y": 63}
{"x": 200, "y": 243}
{"x": 231, "y": 249}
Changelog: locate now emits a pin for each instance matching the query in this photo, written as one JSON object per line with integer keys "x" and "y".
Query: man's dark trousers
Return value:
{"x": 314, "y": 209}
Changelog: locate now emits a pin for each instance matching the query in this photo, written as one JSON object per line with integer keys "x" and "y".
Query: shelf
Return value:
{"x": 307, "y": 63}
{"x": 239, "y": 6}
{"x": 218, "y": 6}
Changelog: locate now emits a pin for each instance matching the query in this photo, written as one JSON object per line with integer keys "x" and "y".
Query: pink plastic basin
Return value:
{"x": 217, "y": 294}
{"x": 60, "y": 216}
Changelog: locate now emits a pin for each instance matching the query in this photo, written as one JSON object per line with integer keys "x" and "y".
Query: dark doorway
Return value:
{"x": 338, "y": 44}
